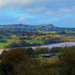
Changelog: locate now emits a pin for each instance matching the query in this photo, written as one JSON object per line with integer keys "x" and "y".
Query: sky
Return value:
{"x": 60, "y": 13}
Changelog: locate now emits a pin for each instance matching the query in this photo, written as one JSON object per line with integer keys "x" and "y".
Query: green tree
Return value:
{"x": 30, "y": 51}
{"x": 67, "y": 61}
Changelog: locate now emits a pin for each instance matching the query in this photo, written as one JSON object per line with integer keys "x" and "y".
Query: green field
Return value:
{"x": 8, "y": 42}
{"x": 11, "y": 40}
{"x": 56, "y": 35}
{"x": 59, "y": 53}
{"x": 34, "y": 41}
{"x": 3, "y": 44}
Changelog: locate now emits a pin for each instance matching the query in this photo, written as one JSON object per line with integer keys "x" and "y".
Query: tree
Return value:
{"x": 29, "y": 51}
{"x": 10, "y": 60}
{"x": 52, "y": 40}
{"x": 22, "y": 43}
{"x": 13, "y": 57}
{"x": 2, "y": 54}
{"x": 13, "y": 36}
{"x": 67, "y": 61}
{"x": 55, "y": 49}
{"x": 3, "y": 41}
{"x": 62, "y": 32}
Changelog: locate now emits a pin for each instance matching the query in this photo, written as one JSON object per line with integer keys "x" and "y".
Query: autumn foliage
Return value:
{"x": 14, "y": 57}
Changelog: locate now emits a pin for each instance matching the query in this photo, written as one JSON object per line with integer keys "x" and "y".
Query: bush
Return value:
{"x": 29, "y": 51}
{"x": 67, "y": 61}
{"x": 41, "y": 51}
{"x": 51, "y": 40}
{"x": 3, "y": 41}
{"x": 14, "y": 57}
{"x": 9, "y": 60}
{"x": 6, "y": 68}
{"x": 55, "y": 49}
{"x": 2, "y": 54}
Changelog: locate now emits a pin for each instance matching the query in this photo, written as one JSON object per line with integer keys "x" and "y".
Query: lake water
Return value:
{"x": 51, "y": 45}
{"x": 57, "y": 45}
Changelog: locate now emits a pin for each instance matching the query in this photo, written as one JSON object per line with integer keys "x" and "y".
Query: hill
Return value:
{"x": 26, "y": 27}
{"x": 23, "y": 27}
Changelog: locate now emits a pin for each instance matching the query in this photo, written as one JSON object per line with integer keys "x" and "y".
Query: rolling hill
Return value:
{"x": 23, "y": 27}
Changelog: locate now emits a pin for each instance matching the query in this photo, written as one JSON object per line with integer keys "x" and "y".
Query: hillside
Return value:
{"x": 23, "y": 27}
{"x": 26, "y": 27}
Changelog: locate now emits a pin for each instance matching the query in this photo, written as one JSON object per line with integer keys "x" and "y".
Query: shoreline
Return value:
{"x": 36, "y": 46}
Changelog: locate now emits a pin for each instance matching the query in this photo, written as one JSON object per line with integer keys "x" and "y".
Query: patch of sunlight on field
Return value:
{"x": 34, "y": 41}
{"x": 56, "y": 35}
{"x": 3, "y": 44}
{"x": 52, "y": 31}
{"x": 59, "y": 53}
{"x": 11, "y": 40}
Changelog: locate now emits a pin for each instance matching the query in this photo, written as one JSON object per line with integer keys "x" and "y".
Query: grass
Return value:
{"x": 56, "y": 35}
{"x": 8, "y": 42}
{"x": 46, "y": 38}
{"x": 3, "y": 44}
{"x": 52, "y": 31}
{"x": 50, "y": 64}
{"x": 11, "y": 40}
{"x": 34, "y": 41}
{"x": 59, "y": 53}
{"x": 49, "y": 60}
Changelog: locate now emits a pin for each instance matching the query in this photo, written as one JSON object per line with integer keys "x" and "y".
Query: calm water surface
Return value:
{"x": 57, "y": 45}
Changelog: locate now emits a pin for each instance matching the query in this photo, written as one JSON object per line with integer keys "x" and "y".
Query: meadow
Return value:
{"x": 34, "y": 41}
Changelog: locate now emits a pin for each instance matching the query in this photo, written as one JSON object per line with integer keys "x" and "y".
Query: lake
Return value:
{"x": 51, "y": 45}
{"x": 57, "y": 45}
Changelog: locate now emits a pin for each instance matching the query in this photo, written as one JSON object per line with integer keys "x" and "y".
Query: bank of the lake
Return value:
{"x": 51, "y": 45}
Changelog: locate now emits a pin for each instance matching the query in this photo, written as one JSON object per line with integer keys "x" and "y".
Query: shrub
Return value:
{"x": 14, "y": 57}
{"x": 67, "y": 61}
{"x": 6, "y": 68}
{"x": 29, "y": 51}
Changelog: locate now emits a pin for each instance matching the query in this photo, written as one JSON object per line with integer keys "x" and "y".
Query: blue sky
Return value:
{"x": 60, "y": 13}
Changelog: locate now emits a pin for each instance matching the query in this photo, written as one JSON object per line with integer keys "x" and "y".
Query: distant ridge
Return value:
{"x": 25, "y": 24}
{"x": 23, "y": 27}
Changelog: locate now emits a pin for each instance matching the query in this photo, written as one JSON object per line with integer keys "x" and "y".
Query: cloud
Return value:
{"x": 48, "y": 12}
{"x": 39, "y": 22}
{"x": 21, "y": 18}
{"x": 61, "y": 12}
{"x": 36, "y": 6}
{"x": 37, "y": 11}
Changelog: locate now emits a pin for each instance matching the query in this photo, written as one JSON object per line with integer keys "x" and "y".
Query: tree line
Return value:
{"x": 21, "y": 62}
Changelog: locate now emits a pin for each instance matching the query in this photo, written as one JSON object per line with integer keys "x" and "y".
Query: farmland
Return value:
{"x": 33, "y": 35}
{"x": 38, "y": 37}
